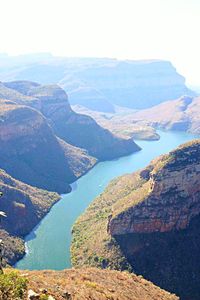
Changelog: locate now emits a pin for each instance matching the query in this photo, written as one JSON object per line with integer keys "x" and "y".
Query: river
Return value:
{"x": 48, "y": 245}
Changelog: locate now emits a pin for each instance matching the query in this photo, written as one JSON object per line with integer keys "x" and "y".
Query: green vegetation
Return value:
{"x": 12, "y": 286}
{"x": 92, "y": 244}
{"x": 44, "y": 297}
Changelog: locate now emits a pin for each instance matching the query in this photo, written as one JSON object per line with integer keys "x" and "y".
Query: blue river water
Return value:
{"x": 48, "y": 245}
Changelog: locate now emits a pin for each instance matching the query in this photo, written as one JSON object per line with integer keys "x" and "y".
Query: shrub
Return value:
{"x": 12, "y": 286}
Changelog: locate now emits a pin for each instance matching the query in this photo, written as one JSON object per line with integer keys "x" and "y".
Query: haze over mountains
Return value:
{"x": 101, "y": 83}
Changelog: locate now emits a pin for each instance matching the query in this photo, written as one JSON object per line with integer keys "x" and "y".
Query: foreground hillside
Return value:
{"x": 93, "y": 284}
{"x": 148, "y": 222}
{"x": 180, "y": 114}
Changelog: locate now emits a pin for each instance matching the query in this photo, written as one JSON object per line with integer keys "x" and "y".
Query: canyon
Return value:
{"x": 39, "y": 139}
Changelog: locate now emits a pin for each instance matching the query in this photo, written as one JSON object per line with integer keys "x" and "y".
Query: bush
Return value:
{"x": 12, "y": 286}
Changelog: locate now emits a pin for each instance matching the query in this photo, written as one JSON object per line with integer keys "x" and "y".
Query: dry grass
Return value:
{"x": 94, "y": 284}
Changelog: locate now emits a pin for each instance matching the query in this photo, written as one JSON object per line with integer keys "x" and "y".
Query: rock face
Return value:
{"x": 181, "y": 114}
{"x": 94, "y": 284}
{"x": 76, "y": 129}
{"x": 149, "y": 222}
{"x": 99, "y": 84}
{"x": 24, "y": 206}
{"x": 30, "y": 151}
{"x": 171, "y": 195}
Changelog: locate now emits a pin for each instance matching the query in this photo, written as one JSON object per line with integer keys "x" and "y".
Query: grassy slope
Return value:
{"x": 94, "y": 284}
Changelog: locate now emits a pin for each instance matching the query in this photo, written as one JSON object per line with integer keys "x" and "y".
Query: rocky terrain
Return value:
{"x": 181, "y": 114}
{"x": 92, "y": 284}
{"x": 101, "y": 83}
{"x": 76, "y": 129}
{"x": 148, "y": 222}
{"x": 24, "y": 206}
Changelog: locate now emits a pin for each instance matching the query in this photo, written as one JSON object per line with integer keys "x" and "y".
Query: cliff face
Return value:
{"x": 79, "y": 130}
{"x": 171, "y": 195}
{"x": 24, "y": 206}
{"x": 30, "y": 151}
{"x": 180, "y": 114}
{"x": 149, "y": 222}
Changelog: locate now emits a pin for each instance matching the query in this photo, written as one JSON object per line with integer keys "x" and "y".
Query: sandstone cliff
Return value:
{"x": 148, "y": 222}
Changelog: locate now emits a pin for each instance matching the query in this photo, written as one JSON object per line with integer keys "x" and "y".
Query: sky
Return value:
{"x": 124, "y": 29}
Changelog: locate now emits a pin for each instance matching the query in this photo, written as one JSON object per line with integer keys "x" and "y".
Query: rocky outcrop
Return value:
{"x": 24, "y": 206}
{"x": 32, "y": 153}
{"x": 76, "y": 129}
{"x": 180, "y": 114}
{"x": 149, "y": 223}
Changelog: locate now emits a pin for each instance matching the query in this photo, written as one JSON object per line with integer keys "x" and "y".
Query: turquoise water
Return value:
{"x": 48, "y": 245}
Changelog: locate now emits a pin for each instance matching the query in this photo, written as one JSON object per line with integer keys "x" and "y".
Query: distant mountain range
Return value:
{"x": 101, "y": 83}
{"x": 180, "y": 114}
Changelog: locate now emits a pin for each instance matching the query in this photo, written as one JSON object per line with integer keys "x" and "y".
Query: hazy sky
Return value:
{"x": 133, "y": 29}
